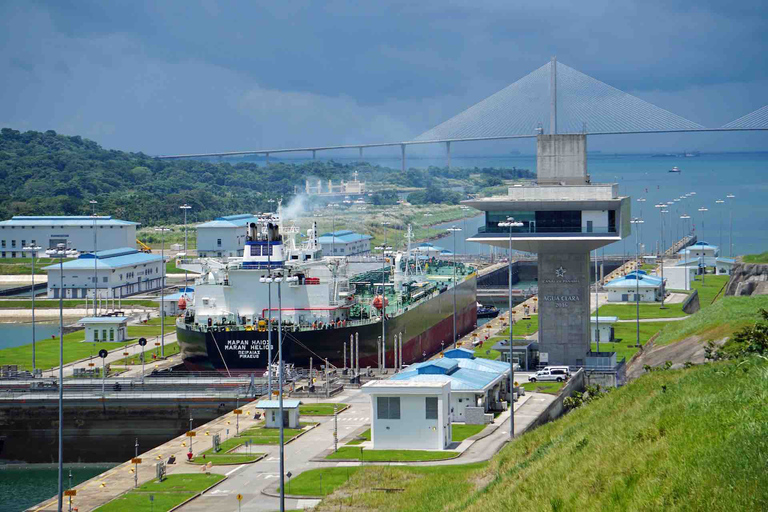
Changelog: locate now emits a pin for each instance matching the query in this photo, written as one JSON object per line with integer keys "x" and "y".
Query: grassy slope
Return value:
{"x": 699, "y": 445}
{"x": 756, "y": 258}
{"x": 626, "y": 337}
{"x": 716, "y": 321}
{"x": 47, "y": 351}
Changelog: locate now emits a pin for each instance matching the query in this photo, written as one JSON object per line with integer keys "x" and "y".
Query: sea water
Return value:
{"x": 644, "y": 176}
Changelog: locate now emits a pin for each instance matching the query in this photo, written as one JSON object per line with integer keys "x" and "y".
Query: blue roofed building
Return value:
{"x": 626, "y": 288}
{"x": 700, "y": 248}
{"x": 344, "y": 243}
{"x": 475, "y": 382}
{"x": 223, "y": 237}
{"x": 110, "y": 274}
{"x": 47, "y": 231}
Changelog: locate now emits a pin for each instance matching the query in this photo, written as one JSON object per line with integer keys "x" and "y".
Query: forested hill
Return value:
{"x": 51, "y": 174}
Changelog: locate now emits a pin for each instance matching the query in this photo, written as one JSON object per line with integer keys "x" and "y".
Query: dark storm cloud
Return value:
{"x": 207, "y": 75}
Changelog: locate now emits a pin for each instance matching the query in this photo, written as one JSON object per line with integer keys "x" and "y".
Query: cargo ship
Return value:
{"x": 323, "y": 303}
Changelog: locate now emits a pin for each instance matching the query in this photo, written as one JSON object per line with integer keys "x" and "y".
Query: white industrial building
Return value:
{"x": 700, "y": 249}
{"x": 77, "y": 232}
{"x": 223, "y": 237}
{"x": 722, "y": 266}
{"x": 105, "y": 328}
{"x": 291, "y": 416}
{"x": 344, "y": 243}
{"x": 605, "y": 325}
{"x": 410, "y": 415}
{"x": 625, "y": 288}
{"x": 476, "y": 383}
{"x": 119, "y": 273}
{"x": 676, "y": 278}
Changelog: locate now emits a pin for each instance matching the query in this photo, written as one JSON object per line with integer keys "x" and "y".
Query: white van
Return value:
{"x": 554, "y": 375}
{"x": 566, "y": 369}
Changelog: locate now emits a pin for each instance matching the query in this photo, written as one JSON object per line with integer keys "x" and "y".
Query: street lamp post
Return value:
{"x": 685, "y": 217}
{"x": 185, "y": 207}
{"x": 33, "y": 249}
{"x": 95, "y": 259}
{"x": 720, "y": 209}
{"x": 61, "y": 252}
{"x": 662, "y": 209}
{"x": 703, "y": 275}
{"x": 730, "y": 230}
{"x": 454, "y": 230}
{"x": 638, "y": 222}
{"x": 162, "y": 292}
{"x": 383, "y": 292}
{"x": 511, "y": 223}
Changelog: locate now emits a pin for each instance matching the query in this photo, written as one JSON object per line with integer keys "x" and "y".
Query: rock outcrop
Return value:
{"x": 748, "y": 279}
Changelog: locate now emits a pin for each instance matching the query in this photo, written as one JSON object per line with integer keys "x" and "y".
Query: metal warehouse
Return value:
{"x": 77, "y": 232}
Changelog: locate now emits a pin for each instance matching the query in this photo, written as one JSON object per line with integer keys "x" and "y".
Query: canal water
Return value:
{"x": 17, "y": 334}
{"x": 24, "y": 486}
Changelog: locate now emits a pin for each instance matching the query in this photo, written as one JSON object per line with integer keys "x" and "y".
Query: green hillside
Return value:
{"x": 48, "y": 173}
{"x": 693, "y": 439}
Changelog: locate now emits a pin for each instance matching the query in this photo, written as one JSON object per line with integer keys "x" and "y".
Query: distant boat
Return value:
{"x": 675, "y": 169}
{"x": 487, "y": 311}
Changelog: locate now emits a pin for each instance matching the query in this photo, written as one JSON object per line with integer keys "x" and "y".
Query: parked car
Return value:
{"x": 555, "y": 375}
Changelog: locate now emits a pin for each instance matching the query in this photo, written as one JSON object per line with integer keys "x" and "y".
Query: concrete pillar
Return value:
{"x": 402, "y": 156}
{"x": 564, "y": 307}
{"x": 448, "y": 153}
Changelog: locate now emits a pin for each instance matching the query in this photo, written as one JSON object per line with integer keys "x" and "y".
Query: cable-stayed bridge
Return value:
{"x": 554, "y": 98}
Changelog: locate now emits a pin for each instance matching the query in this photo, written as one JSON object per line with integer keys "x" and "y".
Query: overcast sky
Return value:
{"x": 198, "y": 76}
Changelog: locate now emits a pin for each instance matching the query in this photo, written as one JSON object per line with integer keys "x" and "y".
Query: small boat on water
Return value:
{"x": 675, "y": 169}
{"x": 487, "y": 311}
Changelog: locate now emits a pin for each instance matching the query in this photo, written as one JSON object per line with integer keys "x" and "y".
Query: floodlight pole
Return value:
{"x": 454, "y": 229}
{"x": 162, "y": 231}
{"x": 33, "y": 248}
{"x": 638, "y": 222}
{"x": 511, "y": 223}
{"x": 95, "y": 259}
{"x": 185, "y": 207}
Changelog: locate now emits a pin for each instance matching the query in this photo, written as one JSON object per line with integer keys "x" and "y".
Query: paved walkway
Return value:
{"x": 251, "y": 480}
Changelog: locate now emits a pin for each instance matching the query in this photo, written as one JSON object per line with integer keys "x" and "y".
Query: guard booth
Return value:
{"x": 271, "y": 413}
{"x": 105, "y": 328}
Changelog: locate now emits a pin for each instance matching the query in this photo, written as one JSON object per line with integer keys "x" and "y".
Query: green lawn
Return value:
{"x": 647, "y": 310}
{"x": 67, "y": 303}
{"x": 135, "y": 357}
{"x": 318, "y": 482}
{"x": 260, "y": 435}
{"x": 486, "y": 351}
{"x": 625, "y": 335}
{"x": 353, "y": 452}
{"x": 756, "y": 258}
{"x": 169, "y": 493}
{"x": 171, "y": 268}
{"x": 523, "y": 327}
{"x": 712, "y": 286}
{"x": 23, "y": 266}
{"x": 551, "y": 388}
{"x": 460, "y": 431}
{"x": 319, "y": 409}
{"x": 360, "y": 438}
{"x": 690, "y": 439}
{"x": 648, "y": 267}
{"x": 47, "y": 350}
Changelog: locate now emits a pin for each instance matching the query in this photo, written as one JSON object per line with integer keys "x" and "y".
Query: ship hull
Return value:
{"x": 423, "y": 328}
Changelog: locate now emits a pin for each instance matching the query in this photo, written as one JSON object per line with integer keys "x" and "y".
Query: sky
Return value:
{"x": 170, "y": 77}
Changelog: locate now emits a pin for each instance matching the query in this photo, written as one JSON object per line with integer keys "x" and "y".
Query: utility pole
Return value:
{"x": 511, "y": 223}
{"x": 33, "y": 248}
{"x": 454, "y": 230}
{"x": 185, "y": 207}
{"x": 95, "y": 259}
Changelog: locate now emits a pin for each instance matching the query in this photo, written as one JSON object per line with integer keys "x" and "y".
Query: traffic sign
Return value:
{"x": 238, "y": 411}
{"x": 70, "y": 492}
{"x": 103, "y": 353}
{"x": 191, "y": 433}
{"x": 136, "y": 460}
{"x": 142, "y": 341}
{"x": 239, "y": 497}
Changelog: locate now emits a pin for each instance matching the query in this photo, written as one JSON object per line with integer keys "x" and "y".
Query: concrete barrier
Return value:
{"x": 556, "y": 408}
